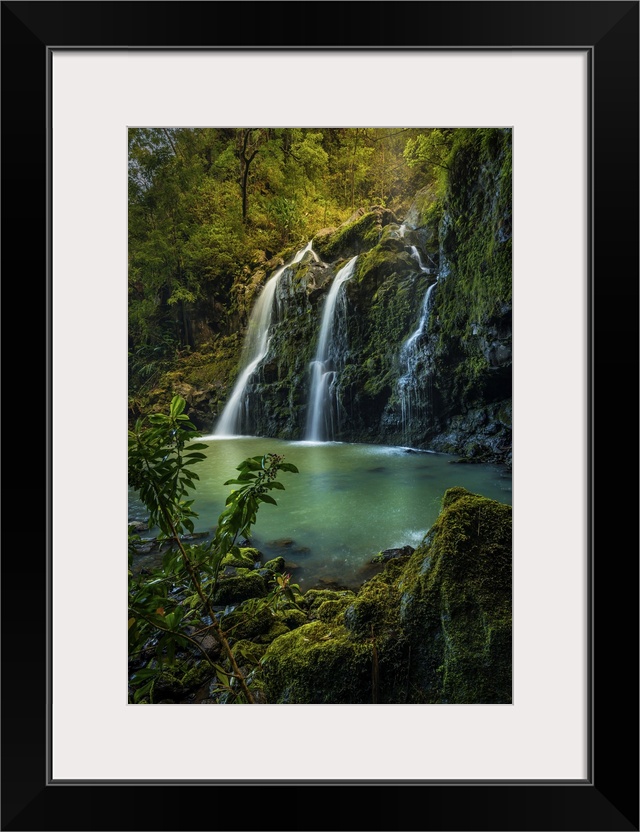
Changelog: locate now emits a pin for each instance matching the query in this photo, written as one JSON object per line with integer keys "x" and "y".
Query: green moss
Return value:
{"x": 245, "y": 560}
{"x": 455, "y": 602}
{"x": 249, "y": 651}
{"x": 241, "y": 624}
{"x": 292, "y": 618}
{"x": 239, "y": 588}
{"x": 313, "y": 598}
{"x": 275, "y": 564}
{"x": 452, "y": 495}
{"x": 386, "y": 296}
{"x": 375, "y": 608}
{"x": 379, "y": 263}
{"x": 431, "y": 214}
{"x": 350, "y": 238}
{"x": 317, "y": 664}
{"x": 478, "y": 237}
{"x": 278, "y": 628}
{"x": 202, "y": 377}
{"x": 176, "y": 682}
{"x": 330, "y": 611}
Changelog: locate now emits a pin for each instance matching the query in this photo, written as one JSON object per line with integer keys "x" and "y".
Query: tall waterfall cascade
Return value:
{"x": 323, "y": 411}
{"x": 234, "y": 417}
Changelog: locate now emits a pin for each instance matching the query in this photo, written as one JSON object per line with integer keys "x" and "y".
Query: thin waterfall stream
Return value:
{"x": 322, "y": 398}
{"x": 408, "y": 392}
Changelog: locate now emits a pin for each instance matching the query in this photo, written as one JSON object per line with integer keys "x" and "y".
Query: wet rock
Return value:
{"x": 145, "y": 548}
{"x": 281, "y": 542}
{"x": 390, "y": 554}
{"x": 301, "y": 551}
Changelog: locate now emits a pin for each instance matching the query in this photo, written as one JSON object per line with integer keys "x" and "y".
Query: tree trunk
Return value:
{"x": 246, "y": 162}
{"x": 353, "y": 170}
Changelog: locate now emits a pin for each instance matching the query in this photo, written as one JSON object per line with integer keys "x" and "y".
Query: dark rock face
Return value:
{"x": 480, "y": 435}
{"x": 431, "y": 628}
{"x": 460, "y": 366}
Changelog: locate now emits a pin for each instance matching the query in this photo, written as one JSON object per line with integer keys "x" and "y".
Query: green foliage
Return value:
{"x": 190, "y": 248}
{"x": 176, "y": 601}
{"x": 429, "y": 153}
{"x": 160, "y": 469}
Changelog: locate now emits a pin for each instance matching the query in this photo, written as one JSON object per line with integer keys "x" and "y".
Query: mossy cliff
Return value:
{"x": 471, "y": 320}
{"x": 458, "y": 396}
{"x": 434, "y": 627}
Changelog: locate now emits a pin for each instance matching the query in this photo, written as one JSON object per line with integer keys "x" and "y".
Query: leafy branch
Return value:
{"x": 161, "y": 460}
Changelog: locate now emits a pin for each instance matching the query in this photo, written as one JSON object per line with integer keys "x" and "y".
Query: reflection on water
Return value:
{"x": 347, "y": 503}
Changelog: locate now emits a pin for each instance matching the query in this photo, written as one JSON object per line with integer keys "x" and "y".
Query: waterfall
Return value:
{"x": 323, "y": 395}
{"x": 409, "y": 354}
{"x": 426, "y": 269}
{"x": 254, "y": 351}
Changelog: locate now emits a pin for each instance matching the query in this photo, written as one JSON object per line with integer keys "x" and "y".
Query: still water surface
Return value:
{"x": 348, "y": 502}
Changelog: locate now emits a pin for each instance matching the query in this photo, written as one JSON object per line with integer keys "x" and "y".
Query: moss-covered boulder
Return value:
{"x": 313, "y": 599}
{"x": 240, "y": 587}
{"x": 316, "y": 664}
{"x": 241, "y": 625}
{"x": 360, "y": 232}
{"x": 246, "y": 558}
{"x": 174, "y": 683}
{"x": 330, "y": 611}
{"x": 433, "y": 628}
{"x": 292, "y": 617}
{"x": 455, "y": 603}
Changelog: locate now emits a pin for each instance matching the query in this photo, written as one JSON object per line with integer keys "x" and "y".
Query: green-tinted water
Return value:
{"x": 347, "y": 503}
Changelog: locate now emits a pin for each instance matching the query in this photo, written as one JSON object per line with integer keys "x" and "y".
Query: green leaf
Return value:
{"x": 250, "y": 464}
{"x": 178, "y": 404}
{"x": 267, "y": 498}
{"x": 145, "y": 673}
{"x": 275, "y": 484}
{"x": 197, "y": 446}
{"x": 222, "y": 678}
{"x": 288, "y": 466}
{"x": 246, "y": 477}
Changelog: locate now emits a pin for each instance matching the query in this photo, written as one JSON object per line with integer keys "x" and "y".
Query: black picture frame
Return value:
{"x": 608, "y": 799}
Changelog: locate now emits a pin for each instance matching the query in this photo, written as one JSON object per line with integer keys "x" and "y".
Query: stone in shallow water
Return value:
{"x": 281, "y": 542}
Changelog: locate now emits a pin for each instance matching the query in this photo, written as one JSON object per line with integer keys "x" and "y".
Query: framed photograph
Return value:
{"x": 562, "y": 80}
